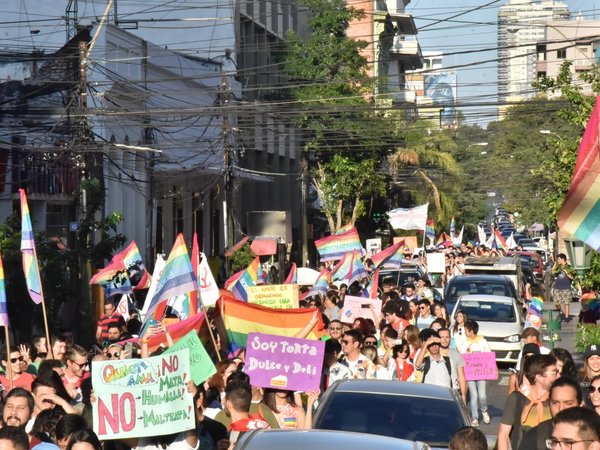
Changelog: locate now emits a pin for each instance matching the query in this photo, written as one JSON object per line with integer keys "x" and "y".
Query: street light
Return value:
{"x": 579, "y": 254}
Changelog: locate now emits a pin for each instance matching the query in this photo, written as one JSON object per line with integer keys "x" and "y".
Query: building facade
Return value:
{"x": 520, "y": 27}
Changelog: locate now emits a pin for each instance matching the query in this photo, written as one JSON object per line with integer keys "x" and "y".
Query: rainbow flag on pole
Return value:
{"x": 390, "y": 257}
{"x": 349, "y": 268}
{"x": 30, "y": 264}
{"x": 134, "y": 264}
{"x": 4, "y": 322}
{"x": 430, "y": 230}
{"x": 248, "y": 277}
{"x": 499, "y": 241}
{"x": 177, "y": 277}
{"x": 452, "y": 227}
{"x": 292, "y": 277}
{"x": 335, "y": 246}
{"x": 321, "y": 284}
{"x": 113, "y": 279}
{"x": 579, "y": 215}
{"x": 241, "y": 318}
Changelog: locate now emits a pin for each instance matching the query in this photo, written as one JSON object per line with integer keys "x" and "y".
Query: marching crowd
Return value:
{"x": 48, "y": 394}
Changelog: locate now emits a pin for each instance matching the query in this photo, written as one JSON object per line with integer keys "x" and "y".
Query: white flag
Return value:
{"x": 409, "y": 218}
{"x": 209, "y": 291}
{"x": 123, "y": 307}
{"x": 159, "y": 266}
{"x": 481, "y": 235}
{"x": 458, "y": 239}
{"x": 510, "y": 242}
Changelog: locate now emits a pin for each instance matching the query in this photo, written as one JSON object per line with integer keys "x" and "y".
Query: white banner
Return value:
{"x": 409, "y": 218}
{"x": 209, "y": 291}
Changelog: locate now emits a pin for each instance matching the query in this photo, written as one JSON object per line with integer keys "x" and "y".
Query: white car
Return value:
{"x": 500, "y": 321}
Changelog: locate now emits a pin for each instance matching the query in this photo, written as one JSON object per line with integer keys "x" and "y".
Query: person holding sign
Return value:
{"x": 477, "y": 388}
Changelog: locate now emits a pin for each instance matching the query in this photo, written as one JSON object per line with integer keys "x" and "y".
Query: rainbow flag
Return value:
{"x": 4, "y": 322}
{"x": 430, "y": 230}
{"x": 590, "y": 299}
{"x": 349, "y": 268}
{"x": 292, "y": 277}
{"x": 134, "y": 264}
{"x": 195, "y": 260}
{"x": 579, "y": 215}
{"x": 344, "y": 229}
{"x": 372, "y": 290}
{"x": 321, "y": 284}
{"x": 177, "y": 277}
{"x": 452, "y": 227}
{"x": 333, "y": 247}
{"x": 113, "y": 279}
{"x": 390, "y": 257}
{"x": 249, "y": 277}
{"x": 30, "y": 263}
{"x": 241, "y": 318}
{"x": 342, "y": 268}
{"x": 499, "y": 241}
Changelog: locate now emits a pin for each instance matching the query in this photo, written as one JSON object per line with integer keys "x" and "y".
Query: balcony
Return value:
{"x": 404, "y": 22}
{"x": 407, "y": 50}
{"x": 403, "y": 97}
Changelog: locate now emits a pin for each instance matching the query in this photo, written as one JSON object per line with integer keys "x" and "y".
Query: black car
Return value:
{"x": 478, "y": 284}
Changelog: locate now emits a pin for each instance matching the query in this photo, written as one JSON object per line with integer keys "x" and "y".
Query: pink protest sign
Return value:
{"x": 281, "y": 362}
{"x": 480, "y": 366}
{"x": 355, "y": 307}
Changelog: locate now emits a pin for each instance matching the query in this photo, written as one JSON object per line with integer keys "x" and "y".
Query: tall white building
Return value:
{"x": 520, "y": 27}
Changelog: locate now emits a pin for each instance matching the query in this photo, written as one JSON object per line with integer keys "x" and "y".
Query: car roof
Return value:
{"x": 392, "y": 387}
{"x": 487, "y": 298}
{"x": 480, "y": 277}
{"x": 319, "y": 439}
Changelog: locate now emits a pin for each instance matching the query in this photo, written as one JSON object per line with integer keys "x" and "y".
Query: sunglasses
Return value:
{"x": 423, "y": 307}
{"x": 370, "y": 344}
{"x": 42, "y": 355}
{"x": 80, "y": 366}
{"x": 335, "y": 329}
{"x": 593, "y": 389}
{"x": 113, "y": 355}
{"x": 14, "y": 360}
{"x": 344, "y": 342}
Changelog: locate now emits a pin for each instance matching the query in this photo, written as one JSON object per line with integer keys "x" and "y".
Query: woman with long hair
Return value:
{"x": 411, "y": 335}
{"x": 289, "y": 414}
{"x": 399, "y": 366}
{"x": 590, "y": 369}
{"x": 413, "y": 305}
{"x": 84, "y": 440}
{"x": 440, "y": 311}
{"x": 594, "y": 393}
{"x": 564, "y": 363}
{"x": 459, "y": 336}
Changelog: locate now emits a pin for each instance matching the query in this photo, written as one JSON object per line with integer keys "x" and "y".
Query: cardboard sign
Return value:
{"x": 142, "y": 397}
{"x": 480, "y": 366}
{"x": 410, "y": 242}
{"x": 201, "y": 366}
{"x": 436, "y": 263}
{"x": 285, "y": 363}
{"x": 373, "y": 245}
{"x": 280, "y": 296}
{"x": 355, "y": 307}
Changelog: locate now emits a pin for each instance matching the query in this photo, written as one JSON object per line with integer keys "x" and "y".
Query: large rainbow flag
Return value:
{"x": 321, "y": 284}
{"x": 349, "y": 268}
{"x": 134, "y": 264}
{"x": 113, "y": 279}
{"x": 579, "y": 215}
{"x": 177, "y": 277}
{"x": 30, "y": 263}
{"x": 241, "y": 318}
{"x": 4, "y": 322}
{"x": 430, "y": 230}
{"x": 292, "y": 277}
{"x": 248, "y": 277}
{"x": 333, "y": 247}
{"x": 390, "y": 257}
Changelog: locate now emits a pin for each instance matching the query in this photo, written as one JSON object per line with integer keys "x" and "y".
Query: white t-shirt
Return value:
{"x": 178, "y": 444}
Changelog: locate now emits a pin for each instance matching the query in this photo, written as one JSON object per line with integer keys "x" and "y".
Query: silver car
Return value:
{"x": 321, "y": 440}
{"x": 413, "y": 411}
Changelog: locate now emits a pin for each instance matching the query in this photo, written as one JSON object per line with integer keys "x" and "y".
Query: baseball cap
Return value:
{"x": 530, "y": 349}
{"x": 592, "y": 350}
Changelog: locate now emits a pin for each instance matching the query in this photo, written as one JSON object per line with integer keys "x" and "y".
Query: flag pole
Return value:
{"x": 210, "y": 330}
{"x": 8, "y": 366}
{"x": 49, "y": 344}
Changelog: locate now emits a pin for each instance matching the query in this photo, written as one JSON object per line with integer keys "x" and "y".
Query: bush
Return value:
{"x": 586, "y": 335}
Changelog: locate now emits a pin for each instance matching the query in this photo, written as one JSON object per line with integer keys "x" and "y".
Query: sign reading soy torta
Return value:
{"x": 281, "y": 362}
{"x": 281, "y": 296}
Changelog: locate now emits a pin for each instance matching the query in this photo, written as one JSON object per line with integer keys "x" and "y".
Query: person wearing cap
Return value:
{"x": 531, "y": 335}
{"x": 517, "y": 380}
{"x": 590, "y": 369}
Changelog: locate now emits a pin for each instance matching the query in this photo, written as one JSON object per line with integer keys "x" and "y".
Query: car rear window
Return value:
{"x": 459, "y": 289}
{"x": 485, "y": 311}
{"x": 403, "y": 417}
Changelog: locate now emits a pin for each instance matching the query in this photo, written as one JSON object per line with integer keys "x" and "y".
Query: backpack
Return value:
{"x": 427, "y": 366}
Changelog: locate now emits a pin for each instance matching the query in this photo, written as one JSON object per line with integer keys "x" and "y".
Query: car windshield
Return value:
{"x": 406, "y": 276}
{"x": 398, "y": 416}
{"x": 482, "y": 287}
{"x": 487, "y": 311}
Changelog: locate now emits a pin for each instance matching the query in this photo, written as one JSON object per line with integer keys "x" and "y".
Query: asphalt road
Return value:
{"x": 497, "y": 391}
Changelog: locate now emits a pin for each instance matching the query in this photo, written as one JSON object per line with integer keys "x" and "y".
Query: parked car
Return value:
{"x": 539, "y": 250}
{"x": 500, "y": 320}
{"x": 526, "y": 242}
{"x": 321, "y": 440}
{"x": 534, "y": 260}
{"x": 413, "y": 411}
{"x": 478, "y": 284}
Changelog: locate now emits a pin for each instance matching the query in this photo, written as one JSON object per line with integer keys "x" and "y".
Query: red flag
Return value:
{"x": 374, "y": 285}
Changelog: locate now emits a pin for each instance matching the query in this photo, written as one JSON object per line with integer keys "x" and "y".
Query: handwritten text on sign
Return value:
{"x": 282, "y": 296}
{"x": 142, "y": 397}
{"x": 284, "y": 363}
{"x": 355, "y": 307}
{"x": 480, "y": 366}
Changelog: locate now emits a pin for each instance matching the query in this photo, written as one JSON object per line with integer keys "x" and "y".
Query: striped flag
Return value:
{"x": 113, "y": 279}
{"x": 134, "y": 264}
{"x": 344, "y": 229}
{"x": 390, "y": 257}
{"x": 372, "y": 290}
{"x": 292, "y": 277}
{"x": 333, "y": 247}
{"x": 579, "y": 215}
{"x": 321, "y": 284}
{"x": 30, "y": 263}
{"x": 4, "y": 322}
{"x": 177, "y": 277}
{"x": 452, "y": 227}
{"x": 249, "y": 277}
{"x": 430, "y": 230}
{"x": 499, "y": 241}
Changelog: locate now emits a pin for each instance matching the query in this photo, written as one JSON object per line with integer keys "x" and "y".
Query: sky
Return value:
{"x": 478, "y": 81}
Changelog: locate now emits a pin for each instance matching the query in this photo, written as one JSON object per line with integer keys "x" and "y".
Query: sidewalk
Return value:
{"x": 568, "y": 332}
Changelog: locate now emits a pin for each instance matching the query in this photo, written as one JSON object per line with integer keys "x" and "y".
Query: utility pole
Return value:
{"x": 228, "y": 160}
{"x": 304, "y": 187}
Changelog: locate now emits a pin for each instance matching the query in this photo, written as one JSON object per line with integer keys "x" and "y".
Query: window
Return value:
{"x": 561, "y": 54}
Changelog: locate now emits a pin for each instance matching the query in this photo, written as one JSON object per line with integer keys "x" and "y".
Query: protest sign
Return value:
{"x": 355, "y": 307}
{"x": 410, "y": 242}
{"x": 142, "y": 397}
{"x": 201, "y": 366}
{"x": 286, "y": 363}
{"x": 373, "y": 246}
{"x": 280, "y": 296}
{"x": 436, "y": 262}
{"x": 480, "y": 366}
